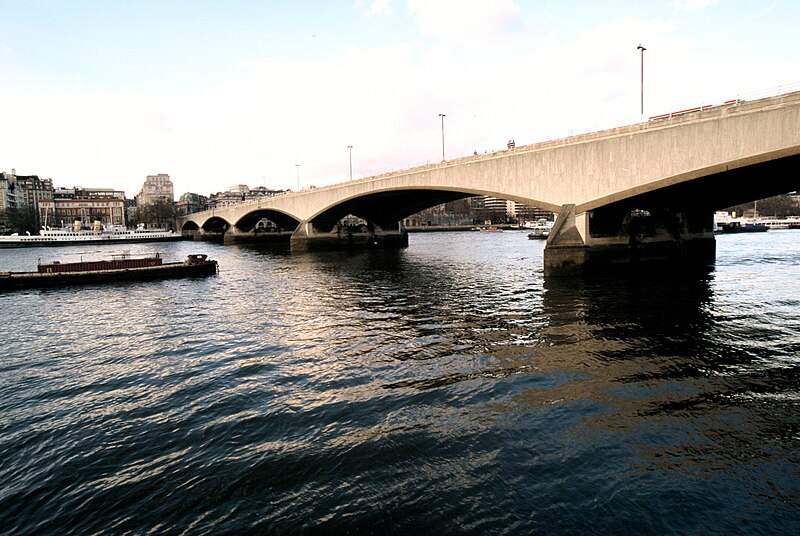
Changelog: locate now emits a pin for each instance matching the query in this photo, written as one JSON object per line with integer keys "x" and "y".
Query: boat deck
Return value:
{"x": 193, "y": 266}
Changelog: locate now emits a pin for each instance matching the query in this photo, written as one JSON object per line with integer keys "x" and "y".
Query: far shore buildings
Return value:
{"x": 34, "y": 203}
{"x": 240, "y": 193}
{"x": 22, "y": 195}
{"x": 85, "y": 205}
{"x": 477, "y": 210}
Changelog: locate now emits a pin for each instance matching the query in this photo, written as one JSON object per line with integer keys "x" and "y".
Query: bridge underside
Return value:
{"x": 364, "y": 222}
{"x": 671, "y": 226}
{"x": 381, "y": 216}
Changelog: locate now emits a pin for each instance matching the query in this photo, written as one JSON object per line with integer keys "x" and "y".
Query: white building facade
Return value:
{"x": 156, "y": 188}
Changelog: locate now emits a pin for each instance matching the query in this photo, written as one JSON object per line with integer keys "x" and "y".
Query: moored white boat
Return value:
{"x": 780, "y": 223}
{"x": 540, "y": 230}
{"x": 97, "y": 235}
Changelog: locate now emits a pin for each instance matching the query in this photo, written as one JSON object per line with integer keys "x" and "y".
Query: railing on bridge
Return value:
{"x": 744, "y": 97}
{"x": 770, "y": 92}
{"x": 692, "y": 110}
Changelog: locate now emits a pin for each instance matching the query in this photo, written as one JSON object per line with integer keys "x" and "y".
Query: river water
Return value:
{"x": 445, "y": 388}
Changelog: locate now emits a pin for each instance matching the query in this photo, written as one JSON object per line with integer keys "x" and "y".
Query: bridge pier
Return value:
{"x": 203, "y": 235}
{"x": 277, "y": 237}
{"x": 615, "y": 240}
{"x": 307, "y": 237}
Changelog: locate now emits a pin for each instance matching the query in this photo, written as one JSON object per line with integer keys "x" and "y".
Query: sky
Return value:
{"x": 102, "y": 93}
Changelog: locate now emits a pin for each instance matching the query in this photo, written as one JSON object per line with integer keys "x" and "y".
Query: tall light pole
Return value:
{"x": 351, "y": 161}
{"x": 298, "y": 176}
{"x": 442, "y": 116}
{"x": 640, "y": 47}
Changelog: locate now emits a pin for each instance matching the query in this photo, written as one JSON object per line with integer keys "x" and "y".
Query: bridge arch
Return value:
{"x": 391, "y": 205}
{"x": 215, "y": 224}
{"x": 282, "y": 220}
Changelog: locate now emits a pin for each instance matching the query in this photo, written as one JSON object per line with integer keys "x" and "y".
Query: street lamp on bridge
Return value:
{"x": 298, "y": 176}
{"x": 640, "y": 47}
{"x": 442, "y": 116}
{"x": 351, "y": 161}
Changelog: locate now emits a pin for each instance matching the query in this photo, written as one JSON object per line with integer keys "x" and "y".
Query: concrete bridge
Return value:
{"x": 625, "y": 196}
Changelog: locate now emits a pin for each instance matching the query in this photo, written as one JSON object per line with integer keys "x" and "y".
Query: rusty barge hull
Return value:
{"x": 22, "y": 280}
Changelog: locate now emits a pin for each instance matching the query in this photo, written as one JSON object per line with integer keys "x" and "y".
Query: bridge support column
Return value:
{"x": 203, "y": 235}
{"x": 308, "y": 237}
{"x": 620, "y": 241}
{"x": 235, "y": 236}
{"x": 277, "y": 237}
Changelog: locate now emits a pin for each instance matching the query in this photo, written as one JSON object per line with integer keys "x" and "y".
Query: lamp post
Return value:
{"x": 351, "y": 161}
{"x": 640, "y": 47}
{"x": 298, "y": 176}
{"x": 442, "y": 116}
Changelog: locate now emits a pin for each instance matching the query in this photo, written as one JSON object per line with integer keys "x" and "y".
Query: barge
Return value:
{"x": 119, "y": 268}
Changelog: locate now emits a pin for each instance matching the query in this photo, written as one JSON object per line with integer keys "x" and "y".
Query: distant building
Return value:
{"x": 156, "y": 188}
{"x": 8, "y": 200}
{"x": 523, "y": 213}
{"x": 189, "y": 203}
{"x": 20, "y": 200}
{"x": 477, "y": 210}
{"x": 34, "y": 190}
{"x": 503, "y": 211}
{"x": 239, "y": 188}
{"x": 130, "y": 209}
{"x": 86, "y": 205}
{"x": 263, "y": 191}
{"x": 8, "y": 190}
{"x": 447, "y": 214}
{"x": 240, "y": 193}
{"x": 491, "y": 209}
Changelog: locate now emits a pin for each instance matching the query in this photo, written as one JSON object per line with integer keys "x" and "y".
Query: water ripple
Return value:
{"x": 445, "y": 387}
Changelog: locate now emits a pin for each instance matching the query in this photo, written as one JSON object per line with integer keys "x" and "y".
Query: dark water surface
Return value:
{"x": 444, "y": 388}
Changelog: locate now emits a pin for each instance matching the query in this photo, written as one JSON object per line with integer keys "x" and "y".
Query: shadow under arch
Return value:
{"x": 215, "y": 224}
{"x": 283, "y": 221}
{"x": 388, "y": 207}
{"x": 385, "y": 208}
{"x": 713, "y": 188}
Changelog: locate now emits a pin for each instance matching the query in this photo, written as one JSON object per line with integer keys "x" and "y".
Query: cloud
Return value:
{"x": 375, "y": 8}
{"x": 269, "y": 113}
{"x": 692, "y": 5}
{"x": 379, "y": 8}
{"x": 274, "y": 112}
{"x": 467, "y": 21}
{"x": 93, "y": 134}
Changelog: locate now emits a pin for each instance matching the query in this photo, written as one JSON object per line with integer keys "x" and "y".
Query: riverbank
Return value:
{"x": 453, "y": 228}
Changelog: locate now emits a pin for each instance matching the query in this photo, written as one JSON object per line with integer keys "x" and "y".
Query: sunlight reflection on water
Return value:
{"x": 444, "y": 386}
